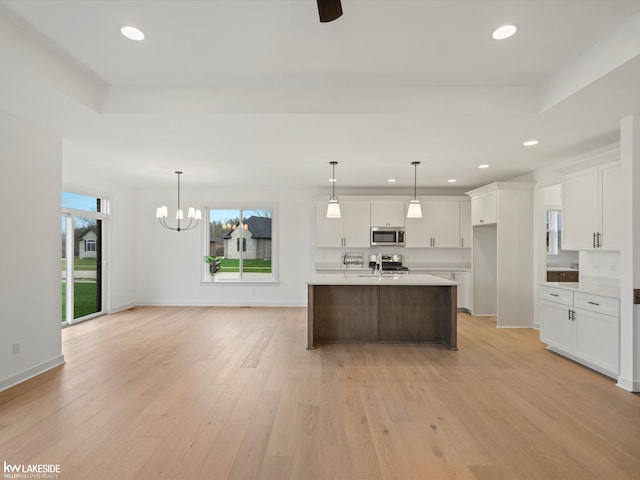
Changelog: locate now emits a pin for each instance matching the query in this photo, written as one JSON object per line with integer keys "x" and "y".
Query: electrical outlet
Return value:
{"x": 16, "y": 348}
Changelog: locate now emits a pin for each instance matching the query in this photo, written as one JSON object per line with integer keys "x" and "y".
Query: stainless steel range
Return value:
{"x": 389, "y": 262}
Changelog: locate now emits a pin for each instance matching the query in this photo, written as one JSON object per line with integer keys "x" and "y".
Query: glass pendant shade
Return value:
{"x": 415, "y": 209}
{"x": 333, "y": 208}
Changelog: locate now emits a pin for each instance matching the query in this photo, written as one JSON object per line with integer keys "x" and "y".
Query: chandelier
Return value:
{"x": 192, "y": 214}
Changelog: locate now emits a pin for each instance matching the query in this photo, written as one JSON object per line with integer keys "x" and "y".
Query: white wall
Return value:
{"x": 169, "y": 265}
{"x": 30, "y": 287}
{"x": 602, "y": 268}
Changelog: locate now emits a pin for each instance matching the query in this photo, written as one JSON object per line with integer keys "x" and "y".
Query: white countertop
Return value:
{"x": 369, "y": 279}
{"x": 582, "y": 287}
{"x": 562, "y": 269}
{"x": 416, "y": 267}
{"x": 453, "y": 267}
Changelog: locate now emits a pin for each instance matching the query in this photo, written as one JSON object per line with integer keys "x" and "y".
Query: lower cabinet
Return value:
{"x": 562, "y": 276}
{"x": 581, "y": 326}
{"x": 464, "y": 285}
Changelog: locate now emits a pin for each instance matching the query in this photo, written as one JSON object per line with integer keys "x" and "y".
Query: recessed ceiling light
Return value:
{"x": 452, "y": 180}
{"x": 391, "y": 180}
{"x": 132, "y": 33}
{"x": 530, "y": 143}
{"x": 484, "y": 165}
{"x": 505, "y": 31}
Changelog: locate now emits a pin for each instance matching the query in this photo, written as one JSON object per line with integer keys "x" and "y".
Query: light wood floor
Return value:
{"x": 231, "y": 393}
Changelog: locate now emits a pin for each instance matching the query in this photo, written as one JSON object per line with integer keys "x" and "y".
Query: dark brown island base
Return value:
{"x": 387, "y": 308}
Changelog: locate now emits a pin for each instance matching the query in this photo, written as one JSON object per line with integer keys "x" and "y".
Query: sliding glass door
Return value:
{"x": 81, "y": 271}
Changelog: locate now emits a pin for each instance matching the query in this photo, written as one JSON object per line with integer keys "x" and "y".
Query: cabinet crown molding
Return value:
{"x": 500, "y": 186}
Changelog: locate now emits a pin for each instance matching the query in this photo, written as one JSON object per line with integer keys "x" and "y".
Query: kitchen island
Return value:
{"x": 356, "y": 307}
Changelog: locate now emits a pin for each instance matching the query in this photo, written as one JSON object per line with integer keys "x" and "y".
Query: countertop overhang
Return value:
{"x": 373, "y": 279}
{"x": 581, "y": 287}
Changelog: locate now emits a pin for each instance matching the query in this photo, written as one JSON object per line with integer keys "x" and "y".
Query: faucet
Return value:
{"x": 379, "y": 264}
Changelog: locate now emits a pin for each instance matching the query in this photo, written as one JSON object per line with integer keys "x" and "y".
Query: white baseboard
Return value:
{"x": 244, "y": 303}
{"x": 121, "y": 308}
{"x": 31, "y": 372}
{"x": 628, "y": 384}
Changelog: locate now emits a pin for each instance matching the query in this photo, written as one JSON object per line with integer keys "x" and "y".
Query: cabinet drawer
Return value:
{"x": 556, "y": 295}
{"x": 595, "y": 303}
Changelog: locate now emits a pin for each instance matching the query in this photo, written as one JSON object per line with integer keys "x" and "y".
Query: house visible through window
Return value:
{"x": 239, "y": 244}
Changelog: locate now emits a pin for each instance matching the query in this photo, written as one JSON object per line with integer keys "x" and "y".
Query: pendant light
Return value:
{"x": 414, "y": 210}
{"x": 192, "y": 214}
{"x": 333, "y": 207}
{"x": 329, "y": 10}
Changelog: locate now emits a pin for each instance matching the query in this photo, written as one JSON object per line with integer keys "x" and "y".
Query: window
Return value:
{"x": 554, "y": 232}
{"x": 239, "y": 245}
{"x": 90, "y": 245}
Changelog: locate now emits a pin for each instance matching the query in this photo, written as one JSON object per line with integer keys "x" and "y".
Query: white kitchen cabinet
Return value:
{"x": 463, "y": 279}
{"x": 502, "y": 252}
{"x": 465, "y": 225}
{"x": 387, "y": 213}
{"x": 597, "y": 340}
{"x": 581, "y": 326}
{"x": 557, "y": 329}
{"x": 484, "y": 208}
{"x": 609, "y": 179}
{"x": 591, "y": 209}
{"x": 439, "y": 226}
{"x": 351, "y": 230}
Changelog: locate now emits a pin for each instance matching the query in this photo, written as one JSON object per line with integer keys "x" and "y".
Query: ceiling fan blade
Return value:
{"x": 329, "y": 10}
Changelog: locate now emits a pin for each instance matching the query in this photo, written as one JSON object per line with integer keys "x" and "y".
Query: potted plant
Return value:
{"x": 214, "y": 263}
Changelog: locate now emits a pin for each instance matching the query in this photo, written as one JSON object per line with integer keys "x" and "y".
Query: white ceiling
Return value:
{"x": 259, "y": 91}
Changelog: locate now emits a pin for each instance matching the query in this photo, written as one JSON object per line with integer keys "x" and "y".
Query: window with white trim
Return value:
{"x": 239, "y": 244}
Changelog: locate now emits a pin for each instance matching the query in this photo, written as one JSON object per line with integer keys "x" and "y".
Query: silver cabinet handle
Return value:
{"x": 569, "y": 313}
{"x": 554, "y": 294}
{"x": 599, "y": 244}
{"x": 462, "y": 242}
{"x": 594, "y": 239}
{"x": 593, "y": 303}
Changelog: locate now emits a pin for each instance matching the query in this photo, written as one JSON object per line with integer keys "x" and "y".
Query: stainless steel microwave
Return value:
{"x": 387, "y": 236}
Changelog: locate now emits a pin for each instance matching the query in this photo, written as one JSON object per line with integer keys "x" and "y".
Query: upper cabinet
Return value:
{"x": 351, "y": 230}
{"x": 484, "y": 208}
{"x": 387, "y": 213}
{"x": 465, "y": 224}
{"x": 445, "y": 222}
{"x": 439, "y": 226}
{"x": 591, "y": 209}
